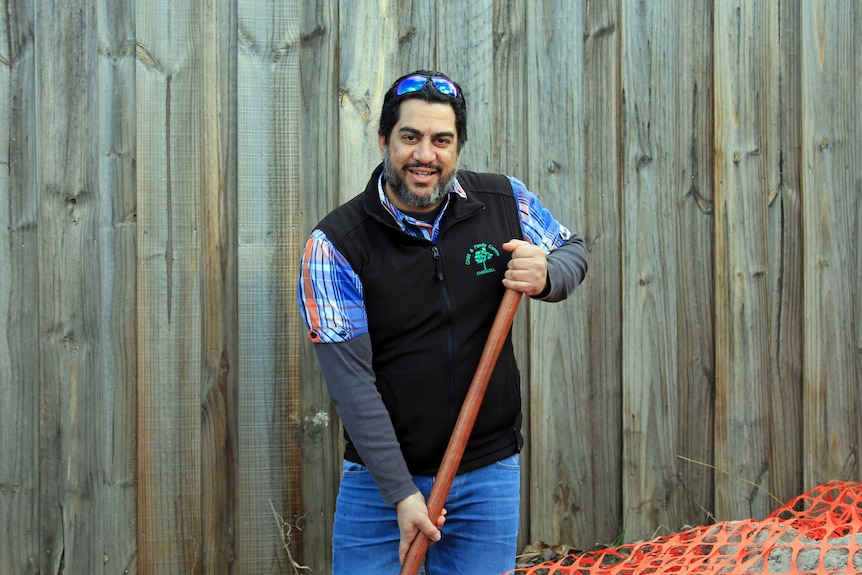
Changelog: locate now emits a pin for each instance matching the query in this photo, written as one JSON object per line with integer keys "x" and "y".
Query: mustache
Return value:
{"x": 434, "y": 167}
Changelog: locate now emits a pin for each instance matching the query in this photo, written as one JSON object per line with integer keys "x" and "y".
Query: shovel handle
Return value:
{"x": 464, "y": 425}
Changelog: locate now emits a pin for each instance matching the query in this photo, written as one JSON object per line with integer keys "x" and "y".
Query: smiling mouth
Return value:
{"x": 422, "y": 173}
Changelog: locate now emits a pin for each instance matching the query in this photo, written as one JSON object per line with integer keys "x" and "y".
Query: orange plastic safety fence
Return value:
{"x": 819, "y": 532}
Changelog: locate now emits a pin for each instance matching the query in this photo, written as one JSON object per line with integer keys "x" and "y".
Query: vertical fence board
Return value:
{"x": 856, "y": 284}
{"x": 659, "y": 207}
{"x": 508, "y": 152}
{"x": 118, "y": 310}
{"x": 268, "y": 109}
{"x": 694, "y": 186}
{"x": 832, "y": 211}
{"x": 408, "y": 42}
{"x": 573, "y": 167}
{"x": 75, "y": 375}
{"x": 649, "y": 268}
{"x": 20, "y": 550}
{"x": 321, "y": 434}
{"x": 169, "y": 287}
{"x": 667, "y": 246}
{"x": 596, "y": 320}
{"x": 741, "y": 263}
{"x": 786, "y": 334}
{"x": 361, "y": 86}
{"x": 219, "y": 303}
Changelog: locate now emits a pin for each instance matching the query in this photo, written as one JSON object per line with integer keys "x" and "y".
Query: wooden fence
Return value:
{"x": 163, "y": 161}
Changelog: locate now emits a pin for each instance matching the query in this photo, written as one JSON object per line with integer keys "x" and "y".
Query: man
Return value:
{"x": 399, "y": 287}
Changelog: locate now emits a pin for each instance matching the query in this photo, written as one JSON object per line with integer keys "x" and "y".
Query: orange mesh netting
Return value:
{"x": 818, "y": 532}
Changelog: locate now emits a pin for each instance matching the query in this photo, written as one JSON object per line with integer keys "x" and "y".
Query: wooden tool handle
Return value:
{"x": 464, "y": 425}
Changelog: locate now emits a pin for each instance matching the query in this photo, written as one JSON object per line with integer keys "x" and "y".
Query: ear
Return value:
{"x": 381, "y": 141}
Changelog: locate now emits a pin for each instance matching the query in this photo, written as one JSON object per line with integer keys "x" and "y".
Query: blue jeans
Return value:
{"x": 479, "y": 537}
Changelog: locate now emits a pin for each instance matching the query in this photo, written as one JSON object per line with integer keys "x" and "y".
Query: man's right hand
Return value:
{"x": 413, "y": 519}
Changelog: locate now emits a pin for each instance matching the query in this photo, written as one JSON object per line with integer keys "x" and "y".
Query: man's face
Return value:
{"x": 422, "y": 156}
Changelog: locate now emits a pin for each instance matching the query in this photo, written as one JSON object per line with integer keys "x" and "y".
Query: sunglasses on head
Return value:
{"x": 416, "y": 82}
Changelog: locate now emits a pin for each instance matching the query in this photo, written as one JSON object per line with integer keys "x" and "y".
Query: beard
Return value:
{"x": 410, "y": 197}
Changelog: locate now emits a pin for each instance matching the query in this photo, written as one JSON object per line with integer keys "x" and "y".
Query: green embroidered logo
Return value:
{"x": 481, "y": 254}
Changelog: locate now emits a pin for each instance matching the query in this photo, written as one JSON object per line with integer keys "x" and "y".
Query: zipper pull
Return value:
{"x": 439, "y": 263}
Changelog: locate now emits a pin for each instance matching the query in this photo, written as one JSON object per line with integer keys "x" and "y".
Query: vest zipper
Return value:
{"x": 453, "y": 409}
{"x": 439, "y": 265}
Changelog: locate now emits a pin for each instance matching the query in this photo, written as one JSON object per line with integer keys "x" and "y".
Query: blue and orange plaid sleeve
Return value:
{"x": 537, "y": 222}
{"x": 329, "y": 293}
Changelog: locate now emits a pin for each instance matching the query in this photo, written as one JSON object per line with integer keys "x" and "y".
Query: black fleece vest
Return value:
{"x": 430, "y": 309}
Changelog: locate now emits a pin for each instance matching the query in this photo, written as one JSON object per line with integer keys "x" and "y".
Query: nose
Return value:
{"x": 424, "y": 151}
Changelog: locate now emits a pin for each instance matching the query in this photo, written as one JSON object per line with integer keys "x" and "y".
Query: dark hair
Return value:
{"x": 389, "y": 113}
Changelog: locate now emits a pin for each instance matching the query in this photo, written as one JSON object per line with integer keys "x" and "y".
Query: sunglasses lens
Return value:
{"x": 415, "y": 83}
{"x": 410, "y": 84}
{"x": 445, "y": 87}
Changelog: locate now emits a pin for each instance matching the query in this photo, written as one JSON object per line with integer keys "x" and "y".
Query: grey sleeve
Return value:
{"x": 567, "y": 267}
{"x": 350, "y": 379}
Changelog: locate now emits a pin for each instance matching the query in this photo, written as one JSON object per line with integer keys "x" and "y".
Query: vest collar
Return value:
{"x": 462, "y": 204}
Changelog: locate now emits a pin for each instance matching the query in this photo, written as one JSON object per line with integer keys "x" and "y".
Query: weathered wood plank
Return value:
{"x": 170, "y": 222}
{"x": 362, "y": 81}
{"x": 83, "y": 263}
{"x": 411, "y": 40}
{"x": 508, "y": 123}
{"x": 786, "y": 334}
{"x": 118, "y": 309}
{"x": 662, "y": 201}
{"x": 219, "y": 297}
{"x": 693, "y": 151}
{"x": 69, "y": 287}
{"x": 831, "y": 224}
{"x": 596, "y": 327}
{"x": 649, "y": 267}
{"x": 573, "y": 167}
{"x": 857, "y": 185}
{"x": 20, "y": 550}
{"x": 741, "y": 263}
{"x": 321, "y": 434}
{"x": 268, "y": 197}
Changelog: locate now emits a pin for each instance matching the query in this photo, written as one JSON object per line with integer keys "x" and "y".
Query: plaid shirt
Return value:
{"x": 330, "y": 293}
